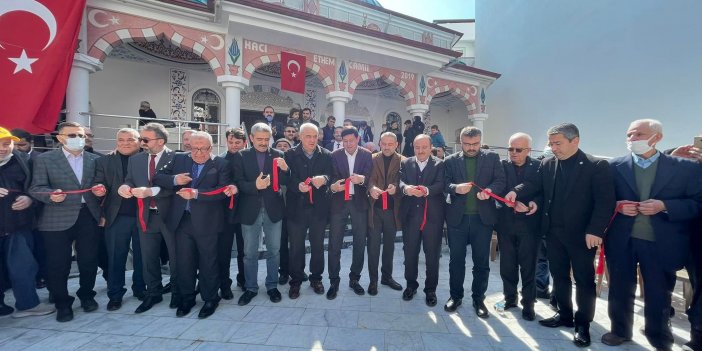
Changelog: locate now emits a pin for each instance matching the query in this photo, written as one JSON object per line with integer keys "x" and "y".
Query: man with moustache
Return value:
{"x": 68, "y": 218}
{"x": 328, "y": 131}
{"x": 422, "y": 216}
{"x": 276, "y": 126}
{"x": 383, "y": 216}
{"x": 352, "y": 166}
{"x": 307, "y": 117}
{"x": 337, "y": 143}
{"x": 471, "y": 216}
{"x": 139, "y": 183}
{"x": 261, "y": 208}
{"x": 196, "y": 219}
{"x": 578, "y": 196}
{"x": 236, "y": 141}
{"x": 308, "y": 203}
{"x": 119, "y": 215}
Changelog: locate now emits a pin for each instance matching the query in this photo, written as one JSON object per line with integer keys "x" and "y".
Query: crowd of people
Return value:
{"x": 296, "y": 180}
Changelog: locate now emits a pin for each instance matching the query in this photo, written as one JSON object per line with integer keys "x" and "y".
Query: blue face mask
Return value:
{"x": 75, "y": 144}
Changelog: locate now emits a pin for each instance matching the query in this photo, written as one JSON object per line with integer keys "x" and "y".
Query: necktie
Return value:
{"x": 337, "y": 145}
{"x": 193, "y": 174}
{"x": 152, "y": 174}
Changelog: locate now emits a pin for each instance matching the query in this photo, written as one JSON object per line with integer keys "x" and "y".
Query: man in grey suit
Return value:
{"x": 141, "y": 171}
{"x": 120, "y": 219}
{"x": 68, "y": 218}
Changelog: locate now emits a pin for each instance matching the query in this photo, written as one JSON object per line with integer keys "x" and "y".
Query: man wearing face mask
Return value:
{"x": 657, "y": 198}
{"x": 68, "y": 218}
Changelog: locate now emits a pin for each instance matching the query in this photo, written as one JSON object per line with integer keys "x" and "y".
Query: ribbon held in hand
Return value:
{"x": 426, "y": 204}
{"x": 275, "y": 175}
{"x": 308, "y": 182}
{"x": 384, "y": 196}
{"x": 219, "y": 191}
{"x": 492, "y": 195}
{"x": 140, "y": 207}
{"x": 347, "y": 189}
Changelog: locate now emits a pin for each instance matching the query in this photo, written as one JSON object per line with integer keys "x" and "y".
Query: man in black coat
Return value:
{"x": 197, "y": 218}
{"x": 578, "y": 195}
{"x": 120, "y": 221}
{"x": 308, "y": 203}
{"x": 471, "y": 215}
{"x": 518, "y": 233}
{"x": 261, "y": 207}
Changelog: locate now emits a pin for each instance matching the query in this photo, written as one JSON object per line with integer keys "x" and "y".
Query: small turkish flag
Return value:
{"x": 37, "y": 43}
{"x": 292, "y": 72}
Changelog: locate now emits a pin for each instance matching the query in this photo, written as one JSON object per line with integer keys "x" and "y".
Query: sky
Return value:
{"x": 432, "y": 10}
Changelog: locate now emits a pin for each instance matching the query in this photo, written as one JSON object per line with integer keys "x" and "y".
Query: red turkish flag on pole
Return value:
{"x": 292, "y": 72}
{"x": 37, "y": 42}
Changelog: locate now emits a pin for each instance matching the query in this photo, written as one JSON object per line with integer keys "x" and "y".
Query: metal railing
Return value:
{"x": 172, "y": 125}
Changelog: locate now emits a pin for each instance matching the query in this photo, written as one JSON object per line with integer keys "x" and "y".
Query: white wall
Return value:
{"x": 598, "y": 64}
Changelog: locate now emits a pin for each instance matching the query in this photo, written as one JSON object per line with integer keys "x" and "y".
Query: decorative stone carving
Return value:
{"x": 178, "y": 94}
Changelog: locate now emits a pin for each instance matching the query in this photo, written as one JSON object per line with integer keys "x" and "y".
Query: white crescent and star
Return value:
{"x": 24, "y": 63}
{"x": 295, "y": 63}
{"x": 93, "y": 21}
{"x": 220, "y": 42}
{"x": 473, "y": 90}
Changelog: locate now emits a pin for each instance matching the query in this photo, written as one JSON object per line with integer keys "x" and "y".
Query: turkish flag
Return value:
{"x": 292, "y": 72}
{"x": 37, "y": 43}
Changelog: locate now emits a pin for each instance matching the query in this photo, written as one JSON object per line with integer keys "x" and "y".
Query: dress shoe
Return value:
{"x": 149, "y": 302}
{"x": 452, "y": 304}
{"x": 114, "y": 305}
{"x": 543, "y": 295}
{"x": 226, "y": 293}
{"x": 317, "y": 287}
{"x": 391, "y": 283}
{"x": 294, "y": 292}
{"x": 556, "y": 321}
{"x": 357, "y": 288}
{"x": 331, "y": 293}
{"x": 373, "y": 289}
{"x": 175, "y": 301}
{"x": 140, "y": 295}
{"x": 5, "y": 309}
{"x": 246, "y": 297}
{"x": 510, "y": 304}
{"x": 305, "y": 277}
{"x": 208, "y": 309}
{"x": 64, "y": 314}
{"x": 611, "y": 339}
{"x": 89, "y": 305}
{"x": 274, "y": 295}
{"x": 430, "y": 299}
{"x": 528, "y": 313}
{"x": 581, "y": 337}
{"x": 695, "y": 343}
{"x": 480, "y": 309}
{"x": 184, "y": 308}
{"x": 283, "y": 279}
{"x": 167, "y": 288}
{"x": 408, "y": 294}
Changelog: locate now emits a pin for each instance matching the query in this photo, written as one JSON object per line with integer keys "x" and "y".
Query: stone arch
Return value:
{"x": 389, "y": 77}
{"x": 466, "y": 92}
{"x": 104, "y": 44}
{"x": 267, "y": 59}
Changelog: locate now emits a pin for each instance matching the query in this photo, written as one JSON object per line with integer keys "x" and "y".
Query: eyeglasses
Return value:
{"x": 516, "y": 149}
{"x": 147, "y": 140}
{"x": 74, "y": 135}
{"x": 201, "y": 149}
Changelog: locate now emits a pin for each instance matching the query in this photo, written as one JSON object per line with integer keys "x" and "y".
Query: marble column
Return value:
{"x": 339, "y": 100}
{"x": 233, "y": 86}
{"x": 477, "y": 120}
{"x": 417, "y": 110}
{"x": 78, "y": 91}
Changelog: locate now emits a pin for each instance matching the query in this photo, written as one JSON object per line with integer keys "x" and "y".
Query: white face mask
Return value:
{"x": 75, "y": 144}
{"x": 639, "y": 147}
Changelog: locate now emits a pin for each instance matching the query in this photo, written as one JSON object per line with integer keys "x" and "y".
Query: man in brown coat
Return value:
{"x": 383, "y": 213}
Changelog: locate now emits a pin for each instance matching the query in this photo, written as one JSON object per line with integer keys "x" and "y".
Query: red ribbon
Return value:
{"x": 347, "y": 189}
{"x": 308, "y": 181}
{"x": 424, "y": 217}
{"x": 219, "y": 191}
{"x": 384, "y": 195}
{"x": 601, "y": 258}
{"x": 492, "y": 195}
{"x": 275, "y": 175}
{"x": 140, "y": 205}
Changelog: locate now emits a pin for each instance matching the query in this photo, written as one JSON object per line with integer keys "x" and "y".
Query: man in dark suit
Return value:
{"x": 518, "y": 233}
{"x": 119, "y": 215}
{"x": 578, "y": 196}
{"x": 196, "y": 219}
{"x": 657, "y": 198}
{"x": 352, "y": 166}
{"x": 422, "y": 216}
{"x": 261, "y": 207}
{"x": 68, "y": 218}
{"x": 307, "y": 117}
{"x": 139, "y": 183}
{"x": 385, "y": 177}
{"x": 471, "y": 216}
{"x": 277, "y": 127}
{"x": 336, "y": 142}
{"x": 304, "y": 213}
{"x": 328, "y": 131}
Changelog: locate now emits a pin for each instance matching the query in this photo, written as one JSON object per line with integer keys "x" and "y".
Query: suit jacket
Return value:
{"x": 489, "y": 174}
{"x": 362, "y": 166}
{"x": 377, "y": 179}
{"x": 231, "y": 215}
{"x": 206, "y": 212}
{"x": 250, "y": 198}
{"x": 330, "y": 145}
{"x": 299, "y": 171}
{"x": 434, "y": 181}
{"x": 51, "y": 171}
{"x": 138, "y": 176}
{"x": 278, "y": 125}
{"x": 108, "y": 172}
{"x": 506, "y": 216}
{"x": 678, "y": 184}
{"x": 590, "y": 195}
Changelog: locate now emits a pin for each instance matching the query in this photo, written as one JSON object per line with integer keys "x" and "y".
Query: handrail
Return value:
{"x": 91, "y": 114}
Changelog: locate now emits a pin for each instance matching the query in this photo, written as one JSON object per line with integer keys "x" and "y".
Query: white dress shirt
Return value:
{"x": 154, "y": 189}
{"x": 76, "y": 163}
{"x": 352, "y": 161}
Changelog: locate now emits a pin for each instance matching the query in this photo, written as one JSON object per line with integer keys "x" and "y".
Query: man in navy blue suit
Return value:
{"x": 657, "y": 197}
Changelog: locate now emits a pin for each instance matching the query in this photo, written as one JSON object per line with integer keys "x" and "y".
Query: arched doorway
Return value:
{"x": 206, "y": 107}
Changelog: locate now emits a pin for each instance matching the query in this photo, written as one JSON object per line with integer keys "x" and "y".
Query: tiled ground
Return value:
{"x": 351, "y": 322}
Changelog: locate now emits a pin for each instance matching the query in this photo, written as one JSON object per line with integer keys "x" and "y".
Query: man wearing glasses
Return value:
{"x": 291, "y": 135}
{"x": 518, "y": 232}
{"x": 68, "y": 218}
{"x": 139, "y": 183}
{"x": 471, "y": 215}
